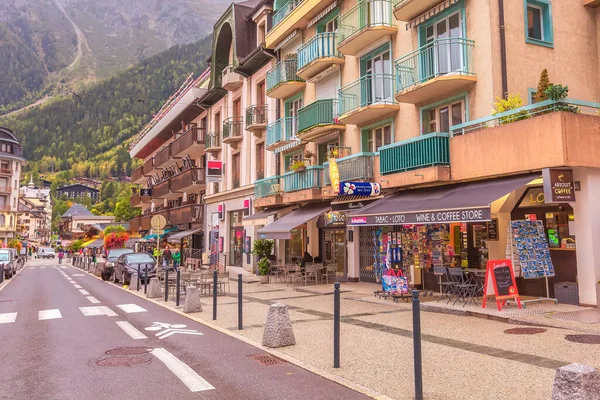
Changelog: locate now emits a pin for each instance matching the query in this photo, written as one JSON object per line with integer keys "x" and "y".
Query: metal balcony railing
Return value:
{"x": 284, "y": 10}
{"x": 420, "y": 152}
{"x": 256, "y": 115}
{"x": 320, "y": 112}
{"x": 282, "y": 130}
{"x": 267, "y": 187}
{"x": 368, "y": 90}
{"x": 366, "y": 14}
{"x": 233, "y": 128}
{"x": 283, "y": 71}
{"x": 322, "y": 45}
{"x": 356, "y": 167}
{"x": 310, "y": 178}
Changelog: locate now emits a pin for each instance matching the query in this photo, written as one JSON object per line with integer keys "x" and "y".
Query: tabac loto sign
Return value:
{"x": 559, "y": 186}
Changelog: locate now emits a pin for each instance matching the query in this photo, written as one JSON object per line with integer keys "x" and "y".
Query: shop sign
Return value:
{"x": 146, "y": 192}
{"x": 354, "y": 205}
{"x": 334, "y": 174}
{"x": 247, "y": 206}
{"x": 492, "y": 229}
{"x": 221, "y": 211}
{"x": 214, "y": 171}
{"x": 425, "y": 217}
{"x": 334, "y": 218}
{"x": 559, "y": 186}
{"x": 359, "y": 189}
{"x": 534, "y": 197}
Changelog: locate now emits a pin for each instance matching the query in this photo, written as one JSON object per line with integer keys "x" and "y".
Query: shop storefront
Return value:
{"x": 236, "y": 238}
{"x": 332, "y": 241}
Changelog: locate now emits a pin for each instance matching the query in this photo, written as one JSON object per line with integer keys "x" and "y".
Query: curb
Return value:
{"x": 6, "y": 282}
{"x": 327, "y": 375}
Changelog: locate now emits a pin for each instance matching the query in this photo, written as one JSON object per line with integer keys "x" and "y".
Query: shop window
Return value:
{"x": 378, "y": 137}
{"x": 441, "y": 118}
{"x": 294, "y": 246}
{"x": 538, "y": 22}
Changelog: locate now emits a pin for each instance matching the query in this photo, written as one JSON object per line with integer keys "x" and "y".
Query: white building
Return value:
{"x": 11, "y": 163}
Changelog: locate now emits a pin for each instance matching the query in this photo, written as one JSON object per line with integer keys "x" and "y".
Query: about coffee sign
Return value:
{"x": 559, "y": 186}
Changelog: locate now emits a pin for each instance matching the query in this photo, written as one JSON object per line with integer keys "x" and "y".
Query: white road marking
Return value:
{"x": 188, "y": 376}
{"x": 131, "y": 330}
{"x": 64, "y": 267}
{"x": 77, "y": 286}
{"x": 171, "y": 332}
{"x": 98, "y": 310}
{"x": 49, "y": 314}
{"x": 93, "y": 300}
{"x": 8, "y": 318}
{"x": 42, "y": 267}
{"x": 84, "y": 292}
{"x": 78, "y": 275}
{"x": 131, "y": 308}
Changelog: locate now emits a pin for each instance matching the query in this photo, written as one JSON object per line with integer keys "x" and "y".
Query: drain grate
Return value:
{"x": 524, "y": 331}
{"x": 585, "y": 339}
{"x": 128, "y": 351}
{"x": 266, "y": 359}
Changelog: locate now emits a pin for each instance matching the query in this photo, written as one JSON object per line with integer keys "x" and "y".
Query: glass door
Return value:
{"x": 378, "y": 70}
{"x": 444, "y": 56}
{"x": 294, "y": 106}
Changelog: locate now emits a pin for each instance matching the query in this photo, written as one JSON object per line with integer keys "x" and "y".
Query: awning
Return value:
{"x": 281, "y": 228}
{"x": 469, "y": 202}
{"x": 152, "y": 236}
{"x": 260, "y": 218}
{"x": 96, "y": 243}
{"x": 176, "y": 238}
{"x": 431, "y": 13}
{"x": 131, "y": 242}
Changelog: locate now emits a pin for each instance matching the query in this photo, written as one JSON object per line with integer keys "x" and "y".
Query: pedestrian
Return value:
{"x": 167, "y": 257}
{"x": 176, "y": 259}
{"x": 61, "y": 254}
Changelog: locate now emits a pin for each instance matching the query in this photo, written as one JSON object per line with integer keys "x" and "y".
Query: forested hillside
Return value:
{"x": 88, "y": 131}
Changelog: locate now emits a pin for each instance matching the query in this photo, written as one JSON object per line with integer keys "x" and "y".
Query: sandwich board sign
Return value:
{"x": 503, "y": 281}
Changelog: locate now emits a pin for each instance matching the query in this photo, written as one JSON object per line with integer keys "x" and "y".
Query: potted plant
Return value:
{"x": 298, "y": 166}
{"x": 262, "y": 248}
{"x": 308, "y": 154}
{"x": 264, "y": 268}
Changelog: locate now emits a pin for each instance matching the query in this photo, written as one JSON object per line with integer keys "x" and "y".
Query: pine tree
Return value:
{"x": 543, "y": 84}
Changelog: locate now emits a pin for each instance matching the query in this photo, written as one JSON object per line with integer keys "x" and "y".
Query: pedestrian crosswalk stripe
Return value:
{"x": 98, "y": 310}
{"x": 84, "y": 292}
{"x": 49, "y": 314}
{"x": 131, "y": 308}
{"x": 42, "y": 267}
{"x": 93, "y": 300}
{"x": 8, "y": 318}
{"x": 131, "y": 330}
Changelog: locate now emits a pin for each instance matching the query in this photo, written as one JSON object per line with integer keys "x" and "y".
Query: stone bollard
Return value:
{"x": 278, "y": 329}
{"x": 133, "y": 283}
{"x": 192, "y": 300}
{"x": 576, "y": 382}
{"x": 98, "y": 270}
{"x": 154, "y": 291}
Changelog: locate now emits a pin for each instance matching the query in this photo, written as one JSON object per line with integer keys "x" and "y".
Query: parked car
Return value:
{"x": 46, "y": 252}
{"x": 111, "y": 260}
{"x": 127, "y": 265}
{"x": 9, "y": 262}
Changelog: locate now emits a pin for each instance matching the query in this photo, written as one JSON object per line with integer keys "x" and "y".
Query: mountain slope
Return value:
{"x": 86, "y": 132}
{"x": 49, "y": 46}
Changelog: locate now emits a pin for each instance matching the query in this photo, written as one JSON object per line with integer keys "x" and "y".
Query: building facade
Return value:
{"x": 77, "y": 220}
{"x": 40, "y": 200}
{"x": 78, "y": 190}
{"x": 11, "y": 164}
{"x": 31, "y": 221}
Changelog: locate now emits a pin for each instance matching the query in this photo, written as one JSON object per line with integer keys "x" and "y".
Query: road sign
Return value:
{"x": 167, "y": 330}
{"x": 158, "y": 222}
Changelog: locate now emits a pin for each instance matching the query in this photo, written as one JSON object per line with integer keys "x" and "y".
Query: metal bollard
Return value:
{"x": 240, "y": 302}
{"x": 146, "y": 281}
{"x": 336, "y": 325}
{"x": 1, "y": 273}
{"x": 167, "y": 284}
{"x": 416, "y": 311}
{"x": 177, "y": 288}
{"x": 138, "y": 278}
{"x": 215, "y": 295}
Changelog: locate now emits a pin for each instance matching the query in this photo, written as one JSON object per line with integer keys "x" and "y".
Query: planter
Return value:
{"x": 264, "y": 279}
{"x": 598, "y": 294}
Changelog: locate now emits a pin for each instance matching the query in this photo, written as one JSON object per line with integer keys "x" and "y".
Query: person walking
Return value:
{"x": 176, "y": 259}
{"x": 167, "y": 257}
{"x": 61, "y": 254}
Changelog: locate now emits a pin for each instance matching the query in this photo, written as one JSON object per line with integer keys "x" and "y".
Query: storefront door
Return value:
{"x": 334, "y": 250}
{"x": 236, "y": 239}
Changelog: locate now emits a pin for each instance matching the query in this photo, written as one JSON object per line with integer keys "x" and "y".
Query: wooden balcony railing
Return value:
{"x": 137, "y": 174}
{"x": 161, "y": 190}
{"x": 188, "y": 178}
{"x": 193, "y": 136}
{"x": 162, "y": 157}
{"x": 191, "y": 213}
{"x": 148, "y": 166}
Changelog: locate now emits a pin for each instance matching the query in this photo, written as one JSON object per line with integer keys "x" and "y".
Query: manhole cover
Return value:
{"x": 525, "y": 331}
{"x": 125, "y": 361}
{"x": 128, "y": 351}
{"x": 585, "y": 339}
{"x": 266, "y": 359}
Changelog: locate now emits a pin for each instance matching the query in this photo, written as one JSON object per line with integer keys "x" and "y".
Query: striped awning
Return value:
{"x": 431, "y": 13}
{"x": 287, "y": 146}
{"x": 322, "y": 14}
{"x": 288, "y": 39}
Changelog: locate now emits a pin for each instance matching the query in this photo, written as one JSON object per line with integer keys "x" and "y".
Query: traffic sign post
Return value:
{"x": 158, "y": 223}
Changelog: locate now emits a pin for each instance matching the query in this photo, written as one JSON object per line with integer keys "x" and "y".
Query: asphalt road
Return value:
{"x": 49, "y": 354}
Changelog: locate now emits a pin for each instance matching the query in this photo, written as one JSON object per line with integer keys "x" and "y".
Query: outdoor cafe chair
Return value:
{"x": 222, "y": 281}
{"x": 463, "y": 290}
{"x": 276, "y": 272}
{"x": 443, "y": 281}
{"x": 310, "y": 273}
{"x": 330, "y": 271}
{"x": 206, "y": 282}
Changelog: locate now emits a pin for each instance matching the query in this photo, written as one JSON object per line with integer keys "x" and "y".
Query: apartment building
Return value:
{"x": 401, "y": 94}
{"x": 31, "y": 221}
{"x": 40, "y": 200}
{"x": 11, "y": 163}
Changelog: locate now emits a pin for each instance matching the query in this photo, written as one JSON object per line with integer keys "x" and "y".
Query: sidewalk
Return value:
{"x": 463, "y": 357}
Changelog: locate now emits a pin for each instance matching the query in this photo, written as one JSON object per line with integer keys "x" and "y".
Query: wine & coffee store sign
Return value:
{"x": 425, "y": 217}
{"x": 559, "y": 186}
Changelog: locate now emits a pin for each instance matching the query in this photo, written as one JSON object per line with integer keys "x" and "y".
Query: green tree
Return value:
{"x": 543, "y": 85}
{"x": 123, "y": 209}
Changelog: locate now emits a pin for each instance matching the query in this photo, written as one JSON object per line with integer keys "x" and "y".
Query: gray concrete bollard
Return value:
{"x": 133, "y": 283}
{"x": 576, "y": 382}
{"x": 98, "y": 270}
{"x": 278, "y": 328}
{"x": 192, "y": 300}
{"x": 154, "y": 289}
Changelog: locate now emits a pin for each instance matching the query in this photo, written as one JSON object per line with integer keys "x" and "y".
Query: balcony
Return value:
{"x": 161, "y": 190}
{"x": 191, "y": 143}
{"x": 407, "y": 10}
{"x": 136, "y": 200}
{"x": 283, "y": 80}
{"x": 162, "y": 158}
{"x": 189, "y": 180}
{"x": 318, "y": 54}
{"x": 363, "y": 24}
{"x": 230, "y": 80}
{"x": 137, "y": 176}
{"x": 435, "y": 71}
{"x": 267, "y": 192}
{"x": 295, "y": 14}
{"x": 149, "y": 166}
{"x": 164, "y": 211}
{"x": 187, "y": 214}
{"x": 213, "y": 142}
{"x": 318, "y": 118}
{"x": 282, "y": 133}
{"x": 5, "y": 189}
{"x": 303, "y": 185}
{"x": 591, "y": 3}
{"x": 256, "y": 118}
{"x": 547, "y": 134}
{"x": 368, "y": 99}
{"x": 356, "y": 167}
{"x": 6, "y": 171}
{"x": 233, "y": 129}
{"x": 140, "y": 223}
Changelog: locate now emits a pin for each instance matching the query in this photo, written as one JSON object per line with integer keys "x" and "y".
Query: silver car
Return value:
{"x": 9, "y": 263}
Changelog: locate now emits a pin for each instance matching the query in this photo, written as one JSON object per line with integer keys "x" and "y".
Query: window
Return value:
{"x": 260, "y": 161}
{"x": 235, "y": 170}
{"x": 217, "y": 126}
{"x": 323, "y": 156}
{"x": 291, "y": 158}
{"x": 440, "y": 119}
{"x": 378, "y": 137}
{"x": 261, "y": 33}
{"x": 331, "y": 26}
{"x": 538, "y": 22}
{"x": 447, "y": 56}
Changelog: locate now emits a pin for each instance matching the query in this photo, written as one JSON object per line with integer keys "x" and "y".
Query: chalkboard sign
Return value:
{"x": 503, "y": 280}
{"x": 492, "y": 229}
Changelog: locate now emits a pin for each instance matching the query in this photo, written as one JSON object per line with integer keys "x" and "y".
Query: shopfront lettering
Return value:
{"x": 449, "y": 216}
{"x": 559, "y": 186}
